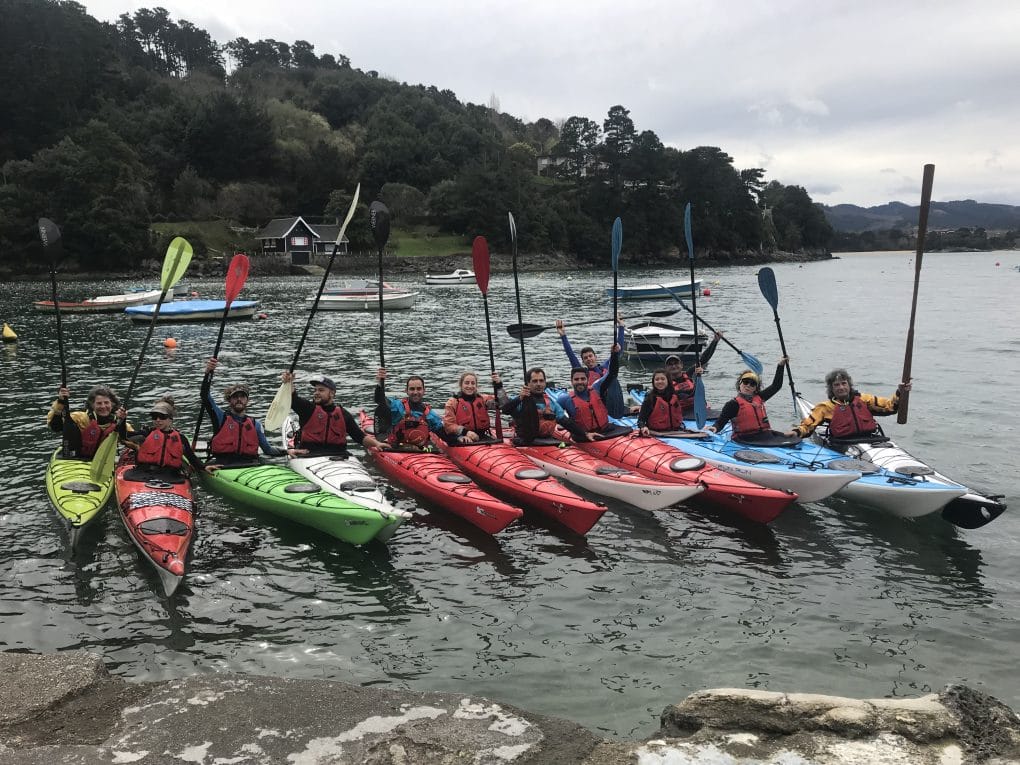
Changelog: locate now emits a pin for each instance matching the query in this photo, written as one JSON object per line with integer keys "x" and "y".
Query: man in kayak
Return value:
{"x": 84, "y": 431}
{"x": 747, "y": 410}
{"x": 161, "y": 445}
{"x": 237, "y": 436}
{"x": 413, "y": 419}
{"x": 850, "y": 413}
{"x": 536, "y": 414}
{"x": 683, "y": 379}
{"x": 586, "y": 406}
{"x": 612, "y": 393}
{"x": 325, "y": 425}
{"x": 466, "y": 418}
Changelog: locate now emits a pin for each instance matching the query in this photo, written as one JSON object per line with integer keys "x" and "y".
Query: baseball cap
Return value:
{"x": 325, "y": 381}
{"x": 672, "y": 357}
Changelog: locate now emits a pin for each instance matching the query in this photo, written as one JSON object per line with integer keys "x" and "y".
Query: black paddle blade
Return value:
{"x": 383, "y": 421}
{"x": 379, "y": 218}
{"x": 524, "y": 330}
{"x": 767, "y": 285}
{"x": 48, "y": 233}
{"x": 526, "y": 424}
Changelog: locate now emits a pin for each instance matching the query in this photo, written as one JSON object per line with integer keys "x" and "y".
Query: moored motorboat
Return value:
{"x": 100, "y": 304}
{"x": 74, "y": 494}
{"x": 656, "y": 291}
{"x": 192, "y": 310}
{"x": 156, "y": 508}
{"x": 459, "y": 276}
{"x": 650, "y": 341}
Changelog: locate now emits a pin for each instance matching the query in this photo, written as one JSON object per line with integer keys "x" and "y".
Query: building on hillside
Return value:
{"x": 300, "y": 239}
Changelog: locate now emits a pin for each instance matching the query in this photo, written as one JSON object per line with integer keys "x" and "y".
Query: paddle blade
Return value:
{"x": 175, "y": 263}
{"x": 350, "y": 215}
{"x": 49, "y": 234}
{"x": 752, "y": 362}
{"x": 383, "y": 421}
{"x": 379, "y": 218}
{"x": 279, "y": 409}
{"x": 687, "y": 231}
{"x": 480, "y": 260}
{"x": 524, "y": 330}
{"x": 513, "y": 228}
{"x": 700, "y": 405}
{"x": 104, "y": 460}
{"x": 237, "y": 274}
{"x": 617, "y": 243}
{"x": 767, "y": 285}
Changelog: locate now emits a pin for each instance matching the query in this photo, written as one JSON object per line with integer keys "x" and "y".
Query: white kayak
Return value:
{"x": 346, "y": 476}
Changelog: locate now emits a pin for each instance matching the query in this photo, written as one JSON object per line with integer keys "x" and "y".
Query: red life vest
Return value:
{"x": 162, "y": 449}
{"x": 684, "y": 386}
{"x": 594, "y": 374}
{"x": 325, "y": 428}
{"x": 751, "y": 416}
{"x": 473, "y": 414}
{"x": 591, "y": 414}
{"x": 667, "y": 414}
{"x": 413, "y": 427}
{"x": 851, "y": 419}
{"x": 235, "y": 438}
{"x": 92, "y": 435}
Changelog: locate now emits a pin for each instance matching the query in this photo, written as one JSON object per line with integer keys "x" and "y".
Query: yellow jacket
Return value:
{"x": 823, "y": 411}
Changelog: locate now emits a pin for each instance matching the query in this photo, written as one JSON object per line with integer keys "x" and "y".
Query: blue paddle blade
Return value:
{"x": 617, "y": 242}
{"x": 687, "y": 231}
{"x": 700, "y": 405}
{"x": 753, "y": 364}
{"x": 767, "y": 285}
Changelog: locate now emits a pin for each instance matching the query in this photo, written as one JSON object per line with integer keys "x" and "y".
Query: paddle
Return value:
{"x": 280, "y": 406}
{"x": 480, "y": 260}
{"x": 379, "y": 217}
{"x": 617, "y": 245}
{"x": 517, "y": 290}
{"x": 533, "y": 330}
{"x": 750, "y": 360}
{"x": 53, "y": 247}
{"x": 527, "y": 424}
{"x": 237, "y": 273}
{"x": 767, "y": 285}
{"x": 700, "y": 405}
{"x": 922, "y": 229}
{"x": 105, "y": 458}
{"x": 175, "y": 263}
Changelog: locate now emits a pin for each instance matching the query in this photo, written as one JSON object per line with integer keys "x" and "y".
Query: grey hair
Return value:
{"x": 837, "y": 374}
{"x": 102, "y": 390}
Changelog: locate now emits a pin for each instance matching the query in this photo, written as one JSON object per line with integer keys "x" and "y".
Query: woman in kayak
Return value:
{"x": 662, "y": 409}
{"x": 161, "y": 445}
{"x": 849, "y": 412}
{"x": 747, "y": 409}
{"x": 84, "y": 431}
{"x": 466, "y": 418}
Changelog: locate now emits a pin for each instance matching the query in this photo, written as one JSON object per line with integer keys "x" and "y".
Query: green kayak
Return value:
{"x": 279, "y": 490}
{"x": 75, "y": 496}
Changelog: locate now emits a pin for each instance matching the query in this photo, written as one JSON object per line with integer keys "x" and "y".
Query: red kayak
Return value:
{"x": 433, "y": 476}
{"x": 504, "y": 469}
{"x": 651, "y": 457}
{"x": 155, "y": 505}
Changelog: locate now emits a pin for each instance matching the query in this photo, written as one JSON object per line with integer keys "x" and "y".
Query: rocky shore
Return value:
{"x": 66, "y": 708}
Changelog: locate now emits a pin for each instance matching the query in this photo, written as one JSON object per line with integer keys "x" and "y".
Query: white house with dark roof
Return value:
{"x": 300, "y": 239}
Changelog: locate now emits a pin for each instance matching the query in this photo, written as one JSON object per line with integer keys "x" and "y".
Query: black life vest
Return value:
{"x": 591, "y": 414}
{"x": 751, "y": 416}
{"x": 413, "y": 427}
{"x": 235, "y": 438}
{"x": 667, "y": 414}
{"x": 92, "y": 435}
{"x": 325, "y": 428}
{"x": 162, "y": 449}
{"x": 851, "y": 419}
{"x": 472, "y": 413}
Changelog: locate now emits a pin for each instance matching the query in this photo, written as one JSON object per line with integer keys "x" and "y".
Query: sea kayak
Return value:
{"x": 907, "y": 476}
{"x": 76, "y": 497}
{"x": 433, "y": 476}
{"x": 344, "y": 474}
{"x": 508, "y": 472}
{"x": 583, "y": 469}
{"x": 155, "y": 505}
{"x": 281, "y": 491}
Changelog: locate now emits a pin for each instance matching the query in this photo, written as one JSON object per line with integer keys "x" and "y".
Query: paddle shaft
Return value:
{"x": 708, "y": 326}
{"x": 145, "y": 345}
{"x": 492, "y": 366}
{"x": 60, "y": 334}
{"x": 517, "y": 289}
{"x": 700, "y": 405}
{"x": 531, "y": 330}
{"x": 315, "y": 306}
{"x": 782, "y": 347}
{"x": 922, "y": 229}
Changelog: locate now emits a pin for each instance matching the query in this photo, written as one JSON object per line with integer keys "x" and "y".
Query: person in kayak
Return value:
{"x": 585, "y": 405}
{"x": 466, "y": 417}
{"x": 325, "y": 426}
{"x": 746, "y": 410}
{"x": 84, "y": 431}
{"x": 161, "y": 445}
{"x": 237, "y": 436}
{"x": 850, "y": 413}
{"x": 662, "y": 408}
{"x": 413, "y": 419}
{"x": 536, "y": 414}
{"x": 683, "y": 379}
{"x": 612, "y": 394}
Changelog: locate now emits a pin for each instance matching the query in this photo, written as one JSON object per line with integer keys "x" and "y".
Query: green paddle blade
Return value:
{"x": 178, "y": 256}
{"x": 104, "y": 460}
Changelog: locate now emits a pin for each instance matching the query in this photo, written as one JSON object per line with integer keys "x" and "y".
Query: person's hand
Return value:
{"x": 122, "y": 414}
{"x": 699, "y": 370}
{"x": 905, "y": 387}
{"x": 495, "y": 379}
{"x": 620, "y": 320}
{"x": 645, "y": 431}
{"x": 525, "y": 392}
{"x": 717, "y": 336}
{"x": 616, "y": 348}
{"x": 594, "y": 436}
{"x": 297, "y": 452}
{"x": 380, "y": 375}
{"x": 210, "y": 365}
{"x": 63, "y": 393}
{"x": 784, "y": 361}
{"x": 287, "y": 376}
{"x": 471, "y": 437}
{"x": 560, "y": 328}
{"x": 210, "y": 469}
{"x": 710, "y": 428}
{"x": 793, "y": 432}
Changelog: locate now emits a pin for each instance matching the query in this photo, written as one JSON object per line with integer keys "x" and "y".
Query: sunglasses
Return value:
{"x": 158, "y": 416}
{"x": 749, "y": 381}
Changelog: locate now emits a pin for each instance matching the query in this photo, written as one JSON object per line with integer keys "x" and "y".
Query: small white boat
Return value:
{"x": 192, "y": 310}
{"x": 460, "y": 276}
{"x": 353, "y": 299}
{"x": 650, "y": 342}
{"x": 101, "y": 304}
{"x": 657, "y": 291}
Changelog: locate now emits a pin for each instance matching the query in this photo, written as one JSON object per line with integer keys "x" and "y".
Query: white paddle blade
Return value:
{"x": 279, "y": 410}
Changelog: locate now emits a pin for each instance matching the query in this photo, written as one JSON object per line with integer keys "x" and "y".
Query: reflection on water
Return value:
{"x": 605, "y": 629}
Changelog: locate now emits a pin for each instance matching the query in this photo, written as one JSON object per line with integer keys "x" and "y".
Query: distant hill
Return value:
{"x": 944, "y": 216}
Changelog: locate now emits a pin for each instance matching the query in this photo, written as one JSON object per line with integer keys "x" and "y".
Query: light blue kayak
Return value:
{"x": 192, "y": 310}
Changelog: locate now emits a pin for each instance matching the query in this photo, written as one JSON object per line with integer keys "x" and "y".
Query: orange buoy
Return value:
{"x": 169, "y": 343}
{"x": 194, "y": 294}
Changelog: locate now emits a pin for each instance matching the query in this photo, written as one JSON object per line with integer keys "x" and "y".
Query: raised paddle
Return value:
{"x": 237, "y": 274}
{"x": 767, "y": 285}
{"x": 53, "y": 247}
{"x": 700, "y": 405}
{"x": 527, "y": 425}
{"x": 617, "y": 245}
{"x": 922, "y": 229}
{"x": 280, "y": 406}
{"x": 480, "y": 260}
{"x": 175, "y": 263}
{"x": 379, "y": 218}
{"x": 750, "y": 360}
{"x": 532, "y": 330}
{"x": 517, "y": 290}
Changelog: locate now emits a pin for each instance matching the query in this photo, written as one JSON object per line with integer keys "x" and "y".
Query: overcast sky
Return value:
{"x": 848, "y": 99}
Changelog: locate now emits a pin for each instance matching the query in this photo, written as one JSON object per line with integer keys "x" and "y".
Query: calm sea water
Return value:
{"x": 605, "y": 630}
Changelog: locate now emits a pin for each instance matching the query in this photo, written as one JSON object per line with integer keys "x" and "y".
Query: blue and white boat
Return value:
{"x": 192, "y": 310}
{"x": 657, "y": 291}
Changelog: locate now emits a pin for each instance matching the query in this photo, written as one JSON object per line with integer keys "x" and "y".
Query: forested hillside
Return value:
{"x": 111, "y": 127}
